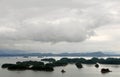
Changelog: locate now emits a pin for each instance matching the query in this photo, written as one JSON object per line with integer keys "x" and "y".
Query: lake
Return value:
{"x": 71, "y": 70}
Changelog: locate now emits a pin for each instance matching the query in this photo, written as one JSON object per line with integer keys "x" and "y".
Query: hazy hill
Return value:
{"x": 25, "y": 53}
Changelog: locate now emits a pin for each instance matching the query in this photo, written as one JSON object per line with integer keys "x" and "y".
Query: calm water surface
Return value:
{"x": 71, "y": 70}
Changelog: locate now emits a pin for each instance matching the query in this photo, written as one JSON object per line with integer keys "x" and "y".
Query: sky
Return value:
{"x": 60, "y": 25}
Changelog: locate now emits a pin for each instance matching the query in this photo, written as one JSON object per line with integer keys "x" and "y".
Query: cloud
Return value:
{"x": 67, "y": 28}
{"x": 54, "y": 21}
{"x": 60, "y": 25}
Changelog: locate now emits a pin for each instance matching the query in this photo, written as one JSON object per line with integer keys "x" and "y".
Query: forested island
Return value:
{"x": 51, "y": 63}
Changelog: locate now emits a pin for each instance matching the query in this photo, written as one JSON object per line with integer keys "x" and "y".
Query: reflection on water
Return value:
{"x": 71, "y": 70}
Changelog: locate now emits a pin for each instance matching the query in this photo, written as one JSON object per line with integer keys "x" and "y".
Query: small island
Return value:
{"x": 78, "y": 65}
{"x": 97, "y": 65}
{"x": 105, "y": 70}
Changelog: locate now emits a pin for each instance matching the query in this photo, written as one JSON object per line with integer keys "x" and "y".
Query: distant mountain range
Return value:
{"x": 5, "y": 52}
{"x": 24, "y": 53}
